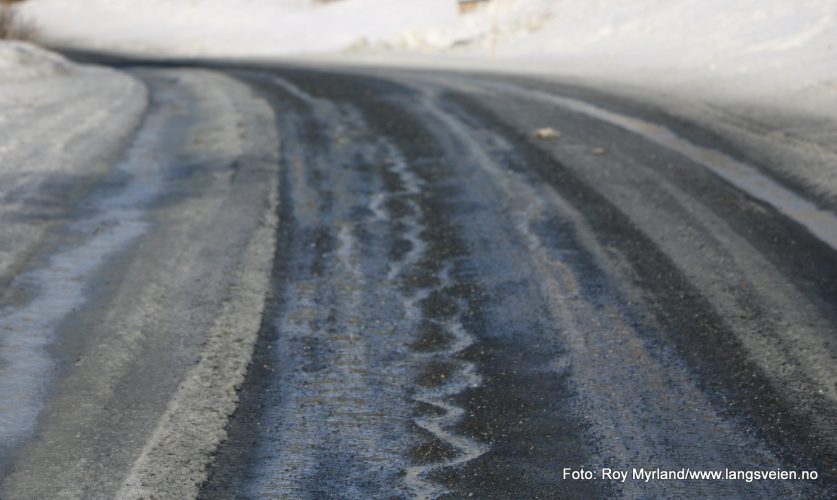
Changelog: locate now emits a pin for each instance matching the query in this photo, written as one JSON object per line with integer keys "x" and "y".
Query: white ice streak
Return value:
{"x": 411, "y": 188}
{"x": 465, "y": 376}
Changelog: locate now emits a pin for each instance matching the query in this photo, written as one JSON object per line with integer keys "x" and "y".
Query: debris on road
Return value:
{"x": 547, "y": 134}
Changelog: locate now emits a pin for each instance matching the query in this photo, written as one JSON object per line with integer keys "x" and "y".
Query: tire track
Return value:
{"x": 496, "y": 291}
{"x": 346, "y": 372}
{"x": 333, "y": 422}
{"x": 593, "y": 339}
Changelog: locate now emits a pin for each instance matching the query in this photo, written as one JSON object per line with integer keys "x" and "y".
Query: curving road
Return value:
{"x": 390, "y": 284}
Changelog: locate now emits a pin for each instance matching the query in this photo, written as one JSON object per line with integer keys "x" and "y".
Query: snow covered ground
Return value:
{"x": 233, "y": 27}
{"x": 61, "y": 126}
{"x": 752, "y": 46}
{"x": 709, "y": 35}
{"x": 770, "y": 65}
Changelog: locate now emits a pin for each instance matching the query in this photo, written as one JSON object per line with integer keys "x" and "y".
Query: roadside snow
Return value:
{"x": 767, "y": 63}
{"x": 61, "y": 127}
{"x": 232, "y": 27}
{"x": 706, "y": 35}
{"x": 764, "y": 43}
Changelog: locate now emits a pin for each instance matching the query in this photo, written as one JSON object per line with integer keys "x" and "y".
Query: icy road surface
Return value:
{"x": 310, "y": 283}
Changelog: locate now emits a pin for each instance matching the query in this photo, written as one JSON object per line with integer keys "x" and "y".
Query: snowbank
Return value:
{"x": 781, "y": 53}
{"x": 674, "y": 32}
{"x": 758, "y": 49}
{"x": 232, "y": 27}
{"x": 779, "y": 39}
{"x": 774, "y": 39}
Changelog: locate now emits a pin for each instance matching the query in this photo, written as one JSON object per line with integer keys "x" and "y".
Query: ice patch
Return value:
{"x": 26, "y": 332}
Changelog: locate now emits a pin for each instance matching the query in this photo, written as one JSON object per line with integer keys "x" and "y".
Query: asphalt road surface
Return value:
{"x": 335, "y": 283}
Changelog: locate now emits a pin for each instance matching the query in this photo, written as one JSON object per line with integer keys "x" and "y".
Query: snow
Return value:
{"x": 758, "y": 59}
{"x": 61, "y": 125}
{"x": 792, "y": 43}
{"x": 698, "y": 38}
{"x": 713, "y": 34}
{"x": 232, "y": 27}
{"x": 755, "y": 54}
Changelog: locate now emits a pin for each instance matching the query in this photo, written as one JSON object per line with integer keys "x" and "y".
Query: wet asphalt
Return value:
{"x": 457, "y": 311}
{"x": 458, "y": 308}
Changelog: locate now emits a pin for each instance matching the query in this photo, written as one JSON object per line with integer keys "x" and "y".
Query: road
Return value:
{"x": 345, "y": 283}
